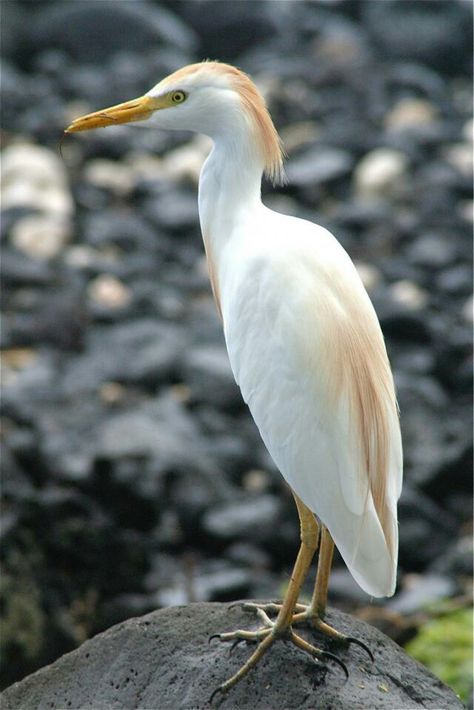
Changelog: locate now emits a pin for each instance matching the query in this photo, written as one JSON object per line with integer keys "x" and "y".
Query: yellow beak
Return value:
{"x": 136, "y": 110}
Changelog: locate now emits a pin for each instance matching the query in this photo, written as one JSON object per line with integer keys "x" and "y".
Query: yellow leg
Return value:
{"x": 281, "y": 627}
{"x": 315, "y": 612}
{"x": 309, "y": 533}
{"x": 320, "y": 594}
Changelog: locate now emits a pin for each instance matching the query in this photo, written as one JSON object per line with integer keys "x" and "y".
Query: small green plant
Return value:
{"x": 444, "y": 645}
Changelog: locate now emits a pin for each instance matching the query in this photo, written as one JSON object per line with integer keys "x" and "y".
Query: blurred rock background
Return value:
{"x": 133, "y": 476}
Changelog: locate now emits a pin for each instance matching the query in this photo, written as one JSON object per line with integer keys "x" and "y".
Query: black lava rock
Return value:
{"x": 434, "y": 32}
{"x": 92, "y": 32}
{"x": 146, "y": 662}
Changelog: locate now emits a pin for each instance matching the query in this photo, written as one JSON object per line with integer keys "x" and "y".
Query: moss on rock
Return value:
{"x": 444, "y": 645}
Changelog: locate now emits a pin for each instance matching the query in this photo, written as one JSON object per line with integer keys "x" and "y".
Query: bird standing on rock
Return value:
{"x": 304, "y": 344}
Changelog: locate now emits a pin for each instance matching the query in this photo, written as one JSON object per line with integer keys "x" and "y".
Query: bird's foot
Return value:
{"x": 303, "y": 613}
{"x": 265, "y": 637}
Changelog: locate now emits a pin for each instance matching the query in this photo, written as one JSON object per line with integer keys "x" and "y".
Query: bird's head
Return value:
{"x": 211, "y": 98}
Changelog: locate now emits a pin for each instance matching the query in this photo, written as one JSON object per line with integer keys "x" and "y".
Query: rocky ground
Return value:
{"x": 163, "y": 661}
{"x": 133, "y": 475}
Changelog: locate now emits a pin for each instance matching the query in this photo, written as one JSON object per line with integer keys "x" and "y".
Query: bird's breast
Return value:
{"x": 213, "y": 273}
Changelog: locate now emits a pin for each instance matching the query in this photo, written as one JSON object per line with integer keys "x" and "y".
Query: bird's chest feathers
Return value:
{"x": 229, "y": 245}
{"x": 229, "y": 205}
{"x": 213, "y": 272}
{"x": 220, "y": 230}
{"x": 215, "y": 227}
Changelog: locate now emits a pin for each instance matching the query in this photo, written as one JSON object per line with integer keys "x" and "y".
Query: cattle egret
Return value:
{"x": 304, "y": 344}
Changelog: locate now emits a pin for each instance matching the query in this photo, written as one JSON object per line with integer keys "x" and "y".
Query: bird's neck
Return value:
{"x": 229, "y": 191}
{"x": 229, "y": 198}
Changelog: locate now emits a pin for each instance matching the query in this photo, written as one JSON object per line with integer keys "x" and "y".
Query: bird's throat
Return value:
{"x": 229, "y": 195}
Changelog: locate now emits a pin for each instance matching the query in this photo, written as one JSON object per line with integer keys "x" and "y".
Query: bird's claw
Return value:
{"x": 332, "y": 657}
{"x": 271, "y": 631}
{"x": 357, "y": 642}
{"x": 235, "y": 644}
{"x": 213, "y": 636}
{"x": 214, "y": 693}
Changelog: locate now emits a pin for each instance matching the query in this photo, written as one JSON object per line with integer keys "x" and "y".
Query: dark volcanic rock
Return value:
{"x": 141, "y": 351}
{"x": 426, "y": 528}
{"x": 83, "y": 30}
{"x": 163, "y": 660}
{"x": 434, "y": 32}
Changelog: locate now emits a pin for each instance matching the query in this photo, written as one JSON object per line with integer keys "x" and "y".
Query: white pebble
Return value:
{"x": 410, "y": 113}
{"x": 42, "y": 237}
{"x": 110, "y": 175}
{"x": 380, "y": 172}
{"x": 186, "y": 160}
{"x": 409, "y": 295}
{"x": 369, "y": 274}
{"x": 106, "y": 290}
{"x": 144, "y": 166}
{"x": 34, "y": 176}
{"x": 460, "y": 157}
{"x": 255, "y": 480}
{"x": 111, "y": 392}
{"x": 299, "y": 134}
{"x": 18, "y": 358}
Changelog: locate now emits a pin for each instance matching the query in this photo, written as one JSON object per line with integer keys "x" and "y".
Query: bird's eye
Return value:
{"x": 177, "y": 97}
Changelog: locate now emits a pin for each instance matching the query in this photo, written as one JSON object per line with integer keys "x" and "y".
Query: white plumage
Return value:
{"x": 275, "y": 323}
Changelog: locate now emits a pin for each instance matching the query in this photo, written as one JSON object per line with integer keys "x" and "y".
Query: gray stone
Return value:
{"x": 425, "y": 530}
{"x": 123, "y": 229}
{"x": 422, "y": 591}
{"x": 455, "y": 280}
{"x": 140, "y": 351}
{"x": 345, "y": 588}
{"x": 457, "y": 560}
{"x": 163, "y": 660}
{"x": 18, "y": 269}
{"x": 81, "y": 29}
{"x": 319, "y": 165}
{"x": 433, "y": 250}
{"x": 251, "y": 516}
{"x": 432, "y": 33}
{"x": 176, "y": 210}
{"x": 215, "y": 579}
{"x": 158, "y": 428}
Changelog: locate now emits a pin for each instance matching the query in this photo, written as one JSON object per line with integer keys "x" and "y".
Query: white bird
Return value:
{"x": 304, "y": 344}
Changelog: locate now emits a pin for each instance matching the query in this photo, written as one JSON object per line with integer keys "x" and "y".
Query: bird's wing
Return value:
{"x": 307, "y": 351}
